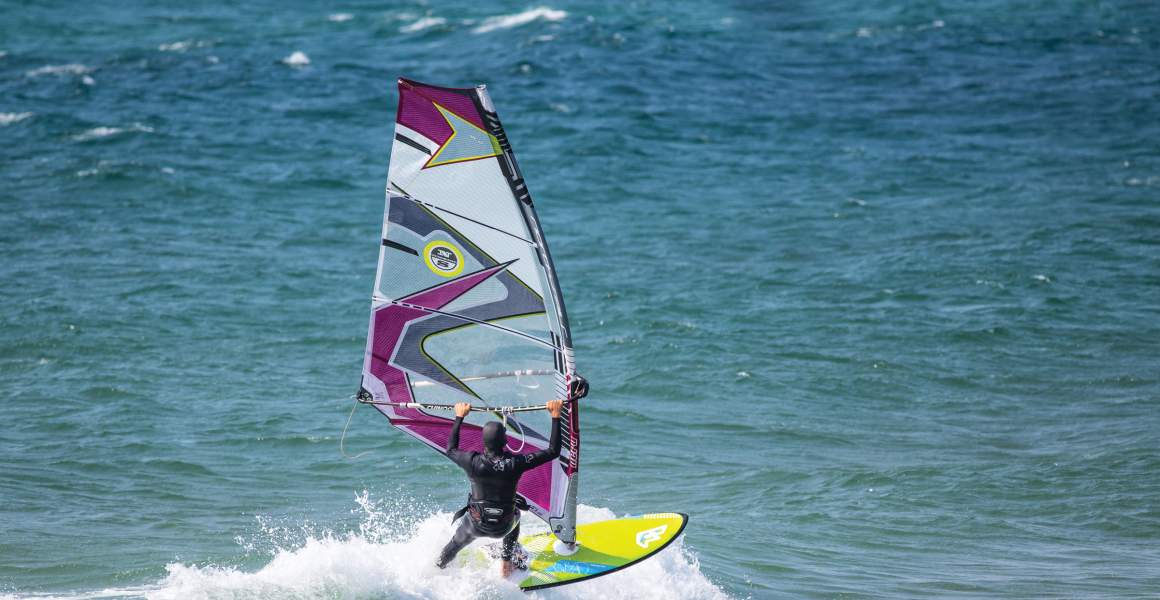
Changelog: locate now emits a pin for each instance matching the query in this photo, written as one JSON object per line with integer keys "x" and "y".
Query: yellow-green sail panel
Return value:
{"x": 603, "y": 547}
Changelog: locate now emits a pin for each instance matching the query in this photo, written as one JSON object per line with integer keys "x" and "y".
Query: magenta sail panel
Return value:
{"x": 466, "y": 305}
{"x": 417, "y": 109}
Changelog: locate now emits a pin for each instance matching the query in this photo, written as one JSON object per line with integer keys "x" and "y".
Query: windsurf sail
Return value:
{"x": 466, "y": 304}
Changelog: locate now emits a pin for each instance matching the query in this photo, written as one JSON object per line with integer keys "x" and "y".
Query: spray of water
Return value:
{"x": 390, "y": 554}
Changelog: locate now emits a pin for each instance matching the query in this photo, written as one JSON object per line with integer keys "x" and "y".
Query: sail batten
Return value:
{"x": 482, "y": 323}
{"x": 465, "y": 287}
{"x": 455, "y": 214}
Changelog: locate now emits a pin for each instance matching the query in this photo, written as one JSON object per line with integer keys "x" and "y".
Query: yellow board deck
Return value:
{"x": 602, "y": 547}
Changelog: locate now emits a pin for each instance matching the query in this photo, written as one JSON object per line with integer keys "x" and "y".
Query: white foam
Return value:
{"x": 69, "y": 69}
{"x": 424, "y": 23}
{"x": 340, "y": 17}
{"x": 181, "y": 46}
{"x": 523, "y": 18}
{"x": 392, "y": 556}
{"x": 10, "y": 118}
{"x": 105, "y": 594}
{"x": 296, "y": 59}
{"x": 97, "y": 132}
{"x": 101, "y": 132}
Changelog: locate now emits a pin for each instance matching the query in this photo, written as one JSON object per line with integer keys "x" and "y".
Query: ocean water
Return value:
{"x": 869, "y": 289}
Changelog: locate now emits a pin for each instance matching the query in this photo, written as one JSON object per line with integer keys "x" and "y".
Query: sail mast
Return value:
{"x": 566, "y": 530}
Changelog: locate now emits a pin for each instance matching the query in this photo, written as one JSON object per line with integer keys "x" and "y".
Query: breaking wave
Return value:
{"x": 69, "y": 69}
{"x": 296, "y": 58}
{"x": 181, "y": 46}
{"x": 9, "y": 118}
{"x": 424, "y": 23}
{"x": 391, "y": 555}
{"x": 523, "y": 18}
{"x": 102, "y": 132}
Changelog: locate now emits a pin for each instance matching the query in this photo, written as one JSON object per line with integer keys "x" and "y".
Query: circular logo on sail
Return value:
{"x": 443, "y": 259}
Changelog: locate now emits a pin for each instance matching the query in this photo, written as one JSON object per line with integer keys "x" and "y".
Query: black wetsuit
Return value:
{"x": 491, "y": 510}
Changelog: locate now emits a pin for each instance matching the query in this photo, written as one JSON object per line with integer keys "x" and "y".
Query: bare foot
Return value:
{"x": 507, "y": 568}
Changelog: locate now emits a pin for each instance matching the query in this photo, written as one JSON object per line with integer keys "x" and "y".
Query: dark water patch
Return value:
{"x": 177, "y": 467}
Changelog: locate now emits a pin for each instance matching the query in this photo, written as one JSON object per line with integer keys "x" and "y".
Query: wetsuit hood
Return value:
{"x": 494, "y": 437}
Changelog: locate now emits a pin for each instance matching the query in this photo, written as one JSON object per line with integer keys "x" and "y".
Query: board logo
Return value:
{"x": 443, "y": 259}
{"x": 648, "y": 536}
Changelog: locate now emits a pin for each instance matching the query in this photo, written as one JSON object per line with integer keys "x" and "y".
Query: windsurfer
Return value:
{"x": 493, "y": 509}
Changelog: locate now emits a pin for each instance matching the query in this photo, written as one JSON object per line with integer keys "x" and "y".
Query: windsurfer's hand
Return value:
{"x": 461, "y": 409}
{"x": 554, "y": 407}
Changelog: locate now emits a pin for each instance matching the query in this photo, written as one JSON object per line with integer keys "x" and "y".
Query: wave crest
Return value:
{"x": 9, "y": 118}
{"x": 69, "y": 69}
{"x": 523, "y": 18}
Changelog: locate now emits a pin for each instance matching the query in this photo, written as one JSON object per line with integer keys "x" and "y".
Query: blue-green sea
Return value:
{"x": 869, "y": 289}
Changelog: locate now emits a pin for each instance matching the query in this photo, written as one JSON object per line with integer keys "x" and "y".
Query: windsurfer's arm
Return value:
{"x": 459, "y": 457}
{"x": 536, "y": 459}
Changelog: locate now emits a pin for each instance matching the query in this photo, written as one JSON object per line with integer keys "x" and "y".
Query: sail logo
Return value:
{"x": 443, "y": 259}
{"x": 648, "y": 536}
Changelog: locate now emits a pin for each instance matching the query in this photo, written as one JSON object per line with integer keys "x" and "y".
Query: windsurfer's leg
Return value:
{"x": 511, "y": 543}
{"x": 464, "y": 535}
